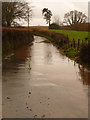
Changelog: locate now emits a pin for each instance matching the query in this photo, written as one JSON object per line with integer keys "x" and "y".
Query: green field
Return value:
{"x": 74, "y": 34}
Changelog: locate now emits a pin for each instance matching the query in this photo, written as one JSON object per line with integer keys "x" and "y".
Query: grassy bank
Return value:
{"x": 80, "y": 45}
{"x": 81, "y": 35}
{"x": 13, "y": 38}
{"x": 57, "y": 39}
{"x": 63, "y": 40}
{"x": 74, "y": 35}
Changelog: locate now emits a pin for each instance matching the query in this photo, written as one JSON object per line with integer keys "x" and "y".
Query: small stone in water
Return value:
{"x": 35, "y": 115}
{"x": 29, "y": 92}
{"x": 43, "y": 116}
{"x": 8, "y": 97}
{"x": 30, "y": 109}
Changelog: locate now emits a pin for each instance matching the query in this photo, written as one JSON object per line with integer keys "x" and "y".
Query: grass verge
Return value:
{"x": 74, "y": 35}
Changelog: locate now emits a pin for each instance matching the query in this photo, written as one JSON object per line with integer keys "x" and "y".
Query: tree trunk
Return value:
{"x": 49, "y": 23}
{"x": 8, "y": 23}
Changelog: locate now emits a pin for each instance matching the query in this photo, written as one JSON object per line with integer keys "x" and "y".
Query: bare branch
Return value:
{"x": 74, "y": 17}
{"x": 16, "y": 10}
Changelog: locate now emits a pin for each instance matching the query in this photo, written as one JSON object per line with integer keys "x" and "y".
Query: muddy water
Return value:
{"x": 40, "y": 82}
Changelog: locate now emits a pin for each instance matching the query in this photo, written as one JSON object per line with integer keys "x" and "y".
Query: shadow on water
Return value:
{"x": 12, "y": 65}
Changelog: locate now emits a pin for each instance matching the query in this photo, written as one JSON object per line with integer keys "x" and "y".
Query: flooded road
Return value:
{"x": 39, "y": 82}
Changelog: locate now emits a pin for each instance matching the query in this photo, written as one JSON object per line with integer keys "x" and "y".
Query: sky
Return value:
{"x": 57, "y": 7}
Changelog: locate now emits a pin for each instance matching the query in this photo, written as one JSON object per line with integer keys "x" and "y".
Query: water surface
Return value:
{"x": 40, "y": 82}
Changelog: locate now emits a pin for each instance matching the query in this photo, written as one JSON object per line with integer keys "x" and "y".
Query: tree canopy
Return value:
{"x": 74, "y": 17}
{"x": 47, "y": 15}
{"x": 12, "y": 12}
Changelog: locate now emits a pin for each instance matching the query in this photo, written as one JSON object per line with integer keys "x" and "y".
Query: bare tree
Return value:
{"x": 74, "y": 17}
{"x": 12, "y": 12}
{"x": 47, "y": 15}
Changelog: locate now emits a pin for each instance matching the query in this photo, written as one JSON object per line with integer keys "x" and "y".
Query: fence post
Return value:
{"x": 86, "y": 40}
{"x": 71, "y": 45}
{"x": 78, "y": 43}
{"x": 74, "y": 44}
{"x": 82, "y": 42}
{"x": 68, "y": 43}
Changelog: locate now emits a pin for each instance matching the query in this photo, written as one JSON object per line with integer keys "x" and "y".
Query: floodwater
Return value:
{"x": 39, "y": 82}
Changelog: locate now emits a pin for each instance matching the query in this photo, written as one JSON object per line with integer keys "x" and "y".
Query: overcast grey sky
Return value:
{"x": 57, "y": 7}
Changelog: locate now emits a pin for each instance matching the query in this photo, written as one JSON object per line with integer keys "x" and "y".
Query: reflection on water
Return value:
{"x": 55, "y": 82}
{"x": 85, "y": 75}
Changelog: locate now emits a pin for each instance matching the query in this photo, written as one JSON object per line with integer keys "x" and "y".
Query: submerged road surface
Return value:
{"x": 39, "y": 82}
